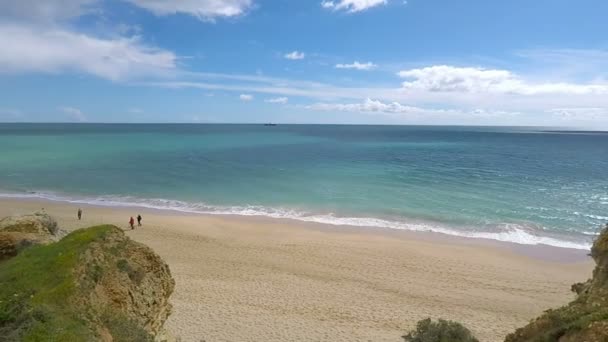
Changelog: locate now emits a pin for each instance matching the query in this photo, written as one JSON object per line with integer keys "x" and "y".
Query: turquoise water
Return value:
{"x": 513, "y": 184}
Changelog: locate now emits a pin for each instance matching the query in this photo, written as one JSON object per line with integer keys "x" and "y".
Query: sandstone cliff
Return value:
{"x": 93, "y": 285}
{"x": 18, "y": 232}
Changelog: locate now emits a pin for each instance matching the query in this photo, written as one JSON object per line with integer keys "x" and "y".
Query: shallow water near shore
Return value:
{"x": 528, "y": 186}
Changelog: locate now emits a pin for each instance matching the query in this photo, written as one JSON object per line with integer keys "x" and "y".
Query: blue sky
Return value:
{"x": 468, "y": 62}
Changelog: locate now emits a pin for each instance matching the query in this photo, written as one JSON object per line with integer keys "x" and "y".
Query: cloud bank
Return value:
{"x": 33, "y": 49}
{"x": 57, "y": 10}
{"x": 445, "y": 78}
{"x": 202, "y": 9}
{"x": 46, "y": 11}
{"x": 401, "y": 111}
{"x": 367, "y": 106}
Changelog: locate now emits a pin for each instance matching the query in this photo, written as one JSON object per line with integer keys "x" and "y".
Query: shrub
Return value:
{"x": 440, "y": 331}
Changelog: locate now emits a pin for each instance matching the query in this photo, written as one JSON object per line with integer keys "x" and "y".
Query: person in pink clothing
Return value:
{"x": 132, "y": 223}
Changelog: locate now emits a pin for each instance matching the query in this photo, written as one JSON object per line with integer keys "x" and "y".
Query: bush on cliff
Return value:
{"x": 584, "y": 319}
{"x": 440, "y": 331}
{"x": 75, "y": 290}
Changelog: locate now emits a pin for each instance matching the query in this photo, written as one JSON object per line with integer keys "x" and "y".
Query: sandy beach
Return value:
{"x": 254, "y": 279}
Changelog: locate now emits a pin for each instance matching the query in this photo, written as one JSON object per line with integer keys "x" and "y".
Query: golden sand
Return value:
{"x": 249, "y": 279}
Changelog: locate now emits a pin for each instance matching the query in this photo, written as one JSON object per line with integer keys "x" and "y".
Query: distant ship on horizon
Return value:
{"x": 270, "y": 124}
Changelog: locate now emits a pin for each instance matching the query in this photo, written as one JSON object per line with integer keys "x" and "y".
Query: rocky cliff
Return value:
{"x": 125, "y": 277}
{"x": 95, "y": 284}
{"x": 584, "y": 319}
{"x": 18, "y": 232}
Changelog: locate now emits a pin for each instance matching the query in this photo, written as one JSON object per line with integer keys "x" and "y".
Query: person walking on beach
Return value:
{"x": 131, "y": 223}
{"x": 79, "y": 214}
{"x": 139, "y": 220}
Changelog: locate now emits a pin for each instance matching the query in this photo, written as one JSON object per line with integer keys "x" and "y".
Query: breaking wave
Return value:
{"x": 506, "y": 233}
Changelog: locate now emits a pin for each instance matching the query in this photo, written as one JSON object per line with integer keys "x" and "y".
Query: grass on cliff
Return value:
{"x": 36, "y": 287}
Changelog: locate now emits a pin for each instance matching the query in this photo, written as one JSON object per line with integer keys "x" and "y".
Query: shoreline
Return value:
{"x": 252, "y": 279}
{"x": 518, "y": 236}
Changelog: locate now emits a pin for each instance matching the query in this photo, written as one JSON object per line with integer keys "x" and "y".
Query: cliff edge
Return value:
{"x": 584, "y": 319}
{"x": 19, "y": 232}
{"x": 95, "y": 284}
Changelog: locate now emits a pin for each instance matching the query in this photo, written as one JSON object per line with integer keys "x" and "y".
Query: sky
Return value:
{"x": 443, "y": 62}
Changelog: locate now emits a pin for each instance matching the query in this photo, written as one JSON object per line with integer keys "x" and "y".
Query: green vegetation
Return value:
{"x": 95, "y": 284}
{"x": 584, "y": 319}
{"x": 566, "y": 321}
{"x": 440, "y": 331}
{"x": 38, "y": 288}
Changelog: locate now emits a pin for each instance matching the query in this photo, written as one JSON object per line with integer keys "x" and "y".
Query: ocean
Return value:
{"x": 524, "y": 185}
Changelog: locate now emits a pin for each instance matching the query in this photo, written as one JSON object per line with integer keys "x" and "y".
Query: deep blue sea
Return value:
{"x": 524, "y": 185}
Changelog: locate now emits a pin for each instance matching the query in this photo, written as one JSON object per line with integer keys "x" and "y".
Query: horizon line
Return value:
{"x": 282, "y": 124}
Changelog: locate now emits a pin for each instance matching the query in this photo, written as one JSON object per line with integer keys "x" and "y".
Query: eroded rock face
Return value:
{"x": 9, "y": 246}
{"x": 584, "y": 319}
{"x": 121, "y": 276}
{"x": 18, "y": 232}
{"x": 37, "y": 223}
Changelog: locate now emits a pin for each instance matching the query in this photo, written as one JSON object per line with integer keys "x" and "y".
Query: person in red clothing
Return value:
{"x": 132, "y": 222}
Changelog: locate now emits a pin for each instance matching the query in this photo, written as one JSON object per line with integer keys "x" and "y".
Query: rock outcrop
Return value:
{"x": 95, "y": 284}
{"x": 126, "y": 278}
{"x": 584, "y": 319}
{"x": 18, "y": 232}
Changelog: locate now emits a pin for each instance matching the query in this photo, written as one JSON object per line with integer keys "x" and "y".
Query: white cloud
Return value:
{"x": 246, "y": 97}
{"x": 57, "y": 10}
{"x": 295, "y": 55}
{"x": 367, "y": 106}
{"x": 399, "y": 110}
{"x": 202, "y": 9}
{"x": 74, "y": 114}
{"x": 33, "y": 49}
{"x": 477, "y": 99}
{"x": 275, "y": 86}
{"x": 358, "y": 66}
{"x": 352, "y": 6}
{"x": 279, "y": 100}
{"x": 285, "y": 88}
{"x": 47, "y": 10}
{"x": 581, "y": 113}
{"x": 444, "y": 78}
{"x": 413, "y": 96}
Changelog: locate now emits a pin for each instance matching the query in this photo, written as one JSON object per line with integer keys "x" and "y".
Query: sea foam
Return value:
{"x": 512, "y": 233}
